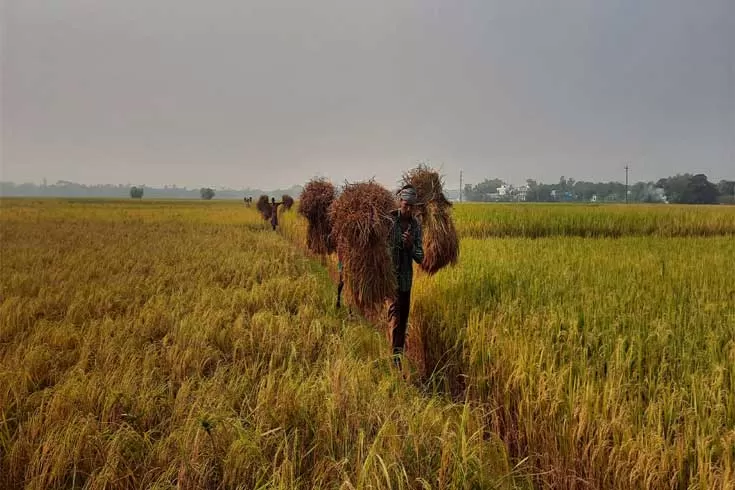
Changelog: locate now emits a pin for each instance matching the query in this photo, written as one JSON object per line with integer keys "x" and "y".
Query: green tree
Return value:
{"x": 206, "y": 193}
{"x": 702, "y": 191}
{"x": 136, "y": 192}
{"x": 482, "y": 191}
{"x": 689, "y": 189}
{"x": 727, "y": 191}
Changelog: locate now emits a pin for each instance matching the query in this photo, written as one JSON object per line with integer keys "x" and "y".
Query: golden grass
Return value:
{"x": 532, "y": 220}
{"x": 602, "y": 363}
{"x": 185, "y": 345}
{"x": 609, "y": 363}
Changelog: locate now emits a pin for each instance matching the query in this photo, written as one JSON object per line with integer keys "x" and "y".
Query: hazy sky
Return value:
{"x": 270, "y": 93}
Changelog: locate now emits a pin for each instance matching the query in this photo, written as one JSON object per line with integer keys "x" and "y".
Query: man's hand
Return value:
{"x": 407, "y": 239}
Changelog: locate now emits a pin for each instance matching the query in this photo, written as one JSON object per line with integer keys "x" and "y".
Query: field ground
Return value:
{"x": 162, "y": 344}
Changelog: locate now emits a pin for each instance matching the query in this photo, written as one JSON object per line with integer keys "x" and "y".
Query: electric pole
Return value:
{"x": 626, "y": 184}
{"x": 460, "y": 186}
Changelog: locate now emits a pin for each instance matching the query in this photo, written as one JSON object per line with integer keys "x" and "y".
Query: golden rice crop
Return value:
{"x": 533, "y": 220}
{"x": 180, "y": 345}
{"x": 603, "y": 362}
{"x": 608, "y": 363}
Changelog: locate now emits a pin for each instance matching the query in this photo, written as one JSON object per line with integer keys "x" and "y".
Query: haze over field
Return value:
{"x": 270, "y": 93}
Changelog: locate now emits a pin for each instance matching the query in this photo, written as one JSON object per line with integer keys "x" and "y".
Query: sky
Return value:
{"x": 270, "y": 93}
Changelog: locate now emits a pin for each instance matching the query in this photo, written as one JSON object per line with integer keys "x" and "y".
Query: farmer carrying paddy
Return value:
{"x": 405, "y": 246}
{"x": 274, "y": 212}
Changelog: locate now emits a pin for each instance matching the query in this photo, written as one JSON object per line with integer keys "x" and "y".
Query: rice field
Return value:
{"x": 609, "y": 363}
{"x": 183, "y": 344}
{"x": 602, "y": 362}
{"x": 533, "y": 220}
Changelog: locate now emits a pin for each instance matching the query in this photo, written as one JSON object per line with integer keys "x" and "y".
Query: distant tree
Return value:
{"x": 727, "y": 191}
{"x": 702, "y": 191}
{"x": 532, "y": 193}
{"x": 689, "y": 189}
{"x": 482, "y": 191}
{"x": 136, "y": 192}
{"x": 207, "y": 193}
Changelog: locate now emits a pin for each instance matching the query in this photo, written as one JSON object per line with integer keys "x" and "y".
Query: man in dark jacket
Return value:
{"x": 274, "y": 212}
{"x": 406, "y": 248}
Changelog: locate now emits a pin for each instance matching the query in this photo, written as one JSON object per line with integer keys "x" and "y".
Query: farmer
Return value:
{"x": 274, "y": 212}
{"x": 404, "y": 241}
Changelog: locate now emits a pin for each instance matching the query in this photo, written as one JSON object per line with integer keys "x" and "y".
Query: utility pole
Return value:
{"x": 460, "y": 186}
{"x": 626, "y": 184}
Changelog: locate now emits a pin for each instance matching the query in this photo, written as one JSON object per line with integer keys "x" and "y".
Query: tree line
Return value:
{"x": 63, "y": 188}
{"x": 680, "y": 189}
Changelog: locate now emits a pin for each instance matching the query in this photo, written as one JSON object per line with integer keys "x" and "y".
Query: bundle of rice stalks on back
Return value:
{"x": 264, "y": 207}
{"x": 314, "y": 202}
{"x": 361, "y": 223}
{"x": 287, "y": 202}
{"x": 439, "y": 236}
{"x": 440, "y": 240}
{"x": 429, "y": 186}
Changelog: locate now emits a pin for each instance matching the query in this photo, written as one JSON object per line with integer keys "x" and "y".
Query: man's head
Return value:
{"x": 407, "y": 198}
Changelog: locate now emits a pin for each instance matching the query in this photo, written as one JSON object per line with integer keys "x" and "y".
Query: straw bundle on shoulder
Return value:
{"x": 314, "y": 202}
{"x": 264, "y": 207}
{"x": 440, "y": 240}
{"x": 287, "y": 202}
{"x": 429, "y": 186}
{"x": 439, "y": 235}
{"x": 361, "y": 223}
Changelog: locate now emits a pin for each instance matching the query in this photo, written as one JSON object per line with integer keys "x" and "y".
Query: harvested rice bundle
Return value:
{"x": 361, "y": 223}
{"x": 317, "y": 196}
{"x": 440, "y": 240}
{"x": 287, "y": 202}
{"x": 264, "y": 207}
{"x": 428, "y": 184}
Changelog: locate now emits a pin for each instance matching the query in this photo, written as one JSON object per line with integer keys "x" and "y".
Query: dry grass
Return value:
{"x": 440, "y": 239}
{"x": 361, "y": 223}
{"x": 317, "y": 196}
{"x": 287, "y": 201}
{"x": 264, "y": 207}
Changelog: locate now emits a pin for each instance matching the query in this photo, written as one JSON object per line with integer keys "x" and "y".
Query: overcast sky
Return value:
{"x": 270, "y": 93}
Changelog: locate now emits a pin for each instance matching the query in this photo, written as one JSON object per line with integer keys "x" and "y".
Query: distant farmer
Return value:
{"x": 274, "y": 212}
{"x": 405, "y": 245}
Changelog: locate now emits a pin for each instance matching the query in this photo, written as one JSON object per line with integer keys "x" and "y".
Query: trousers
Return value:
{"x": 398, "y": 318}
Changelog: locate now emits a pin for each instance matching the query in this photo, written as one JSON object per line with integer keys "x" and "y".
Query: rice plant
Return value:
{"x": 532, "y": 220}
{"x": 608, "y": 363}
{"x": 186, "y": 345}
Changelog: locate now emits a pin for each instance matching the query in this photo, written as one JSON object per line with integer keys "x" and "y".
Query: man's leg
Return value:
{"x": 402, "y": 307}
{"x": 340, "y": 285}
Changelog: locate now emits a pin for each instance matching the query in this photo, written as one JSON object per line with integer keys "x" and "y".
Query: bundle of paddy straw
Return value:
{"x": 361, "y": 223}
{"x": 287, "y": 202}
{"x": 264, "y": 207}
{"x": 439, "y": 235}
{"x": 314, "y": 202}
